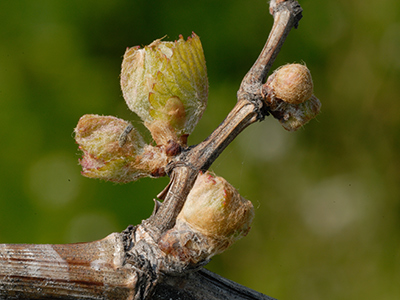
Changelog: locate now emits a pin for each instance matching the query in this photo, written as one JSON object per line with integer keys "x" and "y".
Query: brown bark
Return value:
{"x": 130, "y": 265}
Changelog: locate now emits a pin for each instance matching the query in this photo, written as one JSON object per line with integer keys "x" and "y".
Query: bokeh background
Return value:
{"x": 327, "y": 197}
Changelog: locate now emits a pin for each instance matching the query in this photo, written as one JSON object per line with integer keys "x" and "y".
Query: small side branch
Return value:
{"x": 199, "y": 158}
{"x": 249, "y": 109}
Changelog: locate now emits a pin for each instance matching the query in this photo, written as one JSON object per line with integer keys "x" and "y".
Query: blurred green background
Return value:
{"x": 327, "y": 197}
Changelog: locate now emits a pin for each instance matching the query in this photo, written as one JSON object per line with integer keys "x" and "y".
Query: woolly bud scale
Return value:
{"x": 214, "y": 217}
{"x": 292, "y": 83}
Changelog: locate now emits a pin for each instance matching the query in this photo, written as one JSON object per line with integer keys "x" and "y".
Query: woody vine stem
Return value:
{"x": 143, "y": 261}
{"x": 249, "y": 108}
{"x": 252, "y": 105}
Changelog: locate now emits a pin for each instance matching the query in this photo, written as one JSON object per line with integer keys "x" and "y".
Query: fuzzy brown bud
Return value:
{"x": 291, "y": 83}
{"x": 288, "y": 94}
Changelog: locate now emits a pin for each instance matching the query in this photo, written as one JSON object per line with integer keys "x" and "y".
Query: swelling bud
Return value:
{"x": 166, "y": 84}
{"x": 288, "y": 94}
{"x": 213, "y": 217}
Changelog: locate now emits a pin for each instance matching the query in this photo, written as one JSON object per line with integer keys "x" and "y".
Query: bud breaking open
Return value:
{"x": 112, "y": 153}
{"x": 166, "y": 84}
